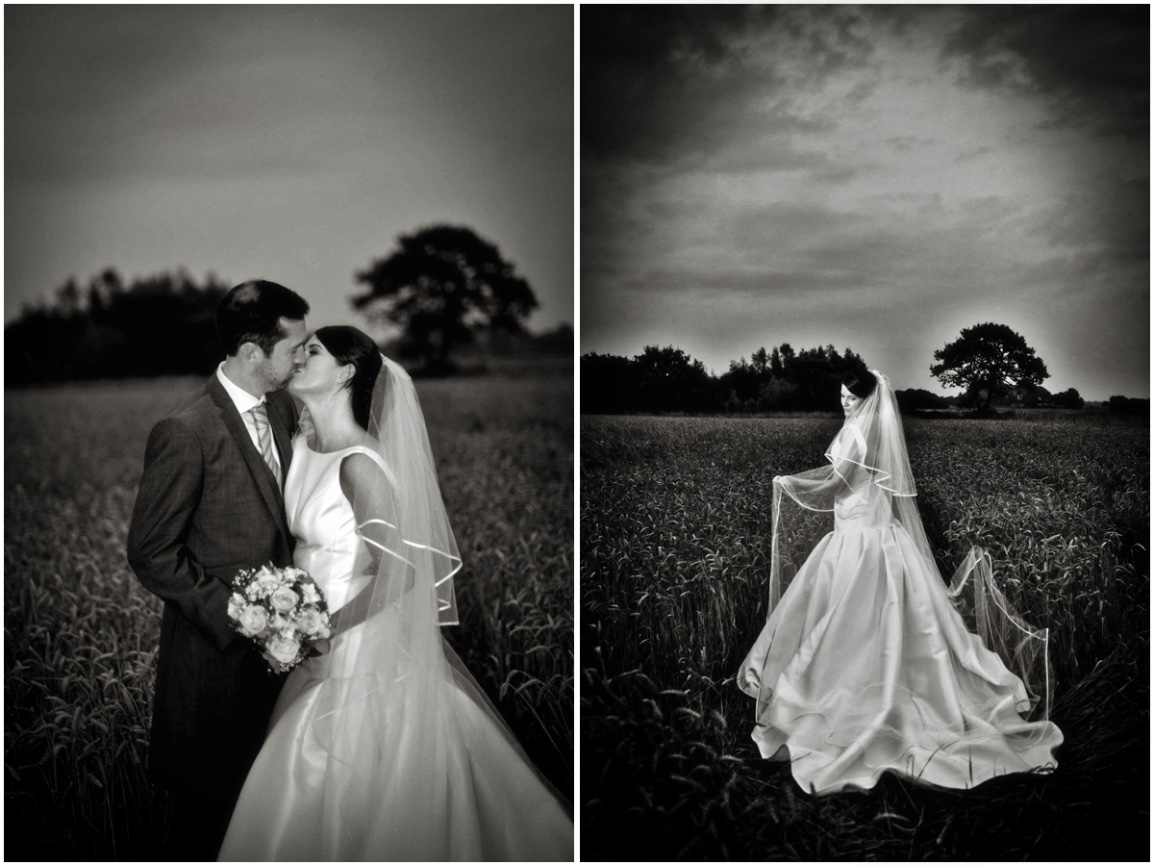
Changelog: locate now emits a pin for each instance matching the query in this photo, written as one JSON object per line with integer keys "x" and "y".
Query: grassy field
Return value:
{"x": 675, "y": 550}
{"x": 81, "y": 633}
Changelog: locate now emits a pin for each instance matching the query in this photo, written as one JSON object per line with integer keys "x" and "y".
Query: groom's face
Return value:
{"x": 287, "y": 354}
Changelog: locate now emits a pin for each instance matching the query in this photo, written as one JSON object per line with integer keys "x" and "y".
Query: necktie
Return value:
{"x": 264, "y": 438}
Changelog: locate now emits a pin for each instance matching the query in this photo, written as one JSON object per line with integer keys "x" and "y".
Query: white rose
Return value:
{"x": 266, "y": 584}
{"x": 253, "y": 620}
{"x": 284, "y": 649}
{"x": 235, "y": 604}
{"x": 284, "y": 599}
{"x": 313, "y": 623}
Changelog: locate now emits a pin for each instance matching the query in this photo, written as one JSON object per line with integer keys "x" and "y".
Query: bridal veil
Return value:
{"x": 410, "y": 738}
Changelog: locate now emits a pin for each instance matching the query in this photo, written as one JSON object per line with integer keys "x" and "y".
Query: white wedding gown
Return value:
{"x": 472, "y": 794}
{"x": 865, "y": 666}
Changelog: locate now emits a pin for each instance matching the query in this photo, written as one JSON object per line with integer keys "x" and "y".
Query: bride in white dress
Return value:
{"x": 868, "y": 662}
{"x": 384, "y": 747}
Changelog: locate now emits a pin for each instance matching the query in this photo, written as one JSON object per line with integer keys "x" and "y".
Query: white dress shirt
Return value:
{"x": 243, "y": 400}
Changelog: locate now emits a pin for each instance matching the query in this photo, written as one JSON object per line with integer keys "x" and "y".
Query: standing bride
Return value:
{"x": 868, "y": 662}
{"x": 383, "y": 748}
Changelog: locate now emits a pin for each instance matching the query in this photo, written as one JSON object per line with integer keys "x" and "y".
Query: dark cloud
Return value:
{"x": 984, "y": 150}
{"x": 640, "y": 76}
{"x": 1091, "y": 63}
{"x": 662, "y": 85}
{"x": 660, "y": 80}
{"x": 909, "y": 142}
{"x": 1113, "y": 216}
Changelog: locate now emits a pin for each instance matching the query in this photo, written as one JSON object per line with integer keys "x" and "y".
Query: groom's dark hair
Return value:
{"x": 251, "y": 312}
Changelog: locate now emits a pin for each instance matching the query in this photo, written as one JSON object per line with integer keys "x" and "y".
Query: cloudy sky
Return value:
{"x": 290, "y": 142}
{"x": 871, "y": 177}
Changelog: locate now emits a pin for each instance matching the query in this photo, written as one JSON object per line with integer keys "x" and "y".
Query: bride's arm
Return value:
{"x": 371, "y": 495}
{"x": 828, "y": 483}
{"x": 843, "y": 477}
{"x": 367, "y": 488}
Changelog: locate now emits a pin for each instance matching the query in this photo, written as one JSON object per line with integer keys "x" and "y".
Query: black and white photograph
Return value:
{"x": 864, "y": 480}
{"x": 289, "y": 432}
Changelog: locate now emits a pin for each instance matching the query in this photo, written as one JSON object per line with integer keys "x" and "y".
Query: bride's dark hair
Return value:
{"x": 349, "y": 345}
{"x": 861, "y": 384}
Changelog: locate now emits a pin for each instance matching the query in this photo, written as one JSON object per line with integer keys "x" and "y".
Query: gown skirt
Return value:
{"x": 865, "y": 667}
{"x": 397, "y": 765}
{"x": 487, "y": 801}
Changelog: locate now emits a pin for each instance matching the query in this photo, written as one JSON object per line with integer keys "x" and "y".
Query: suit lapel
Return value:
{"x": 261, "y": 473}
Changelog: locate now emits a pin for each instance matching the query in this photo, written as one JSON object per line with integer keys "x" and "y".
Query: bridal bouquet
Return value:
{"x": 282, "y": 609}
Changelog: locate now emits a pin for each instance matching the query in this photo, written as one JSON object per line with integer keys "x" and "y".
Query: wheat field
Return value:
{"x": 675, "y": 550}
{"x": 81, "y": 633}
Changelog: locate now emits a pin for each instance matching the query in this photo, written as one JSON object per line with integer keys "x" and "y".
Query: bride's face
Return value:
{"x": 848, "y": 401}
{"x": 320, "y": 374}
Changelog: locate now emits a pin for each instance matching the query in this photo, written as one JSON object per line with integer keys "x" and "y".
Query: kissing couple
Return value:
{"x": 383, "y": 746}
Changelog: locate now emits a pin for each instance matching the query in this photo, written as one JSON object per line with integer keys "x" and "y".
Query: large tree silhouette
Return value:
{"x": 442, "y": 284}
{"x": 986, "y": 360}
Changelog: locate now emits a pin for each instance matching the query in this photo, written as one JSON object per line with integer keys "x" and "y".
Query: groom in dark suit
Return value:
{"x": 210, "y": 504}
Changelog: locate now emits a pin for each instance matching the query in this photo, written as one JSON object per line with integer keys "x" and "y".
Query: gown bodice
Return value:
{"x": 866, "y": 505}
{"x": 322, "y": 521}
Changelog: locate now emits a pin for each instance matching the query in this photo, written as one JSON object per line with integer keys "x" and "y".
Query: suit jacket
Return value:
{"x": 208, "y": 506}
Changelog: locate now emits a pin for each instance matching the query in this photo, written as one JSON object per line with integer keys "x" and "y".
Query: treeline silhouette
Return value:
{"x": 165, "y": 325}
{"x": 782, "y": 379}
{"x": 1130, "y": 405}
{"x": 669, "y": 380}
{"x": 155, "y": 325}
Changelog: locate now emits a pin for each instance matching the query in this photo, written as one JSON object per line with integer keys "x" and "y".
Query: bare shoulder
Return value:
{"x": 363, "y": 479}
{"x": 359, "y": 467}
